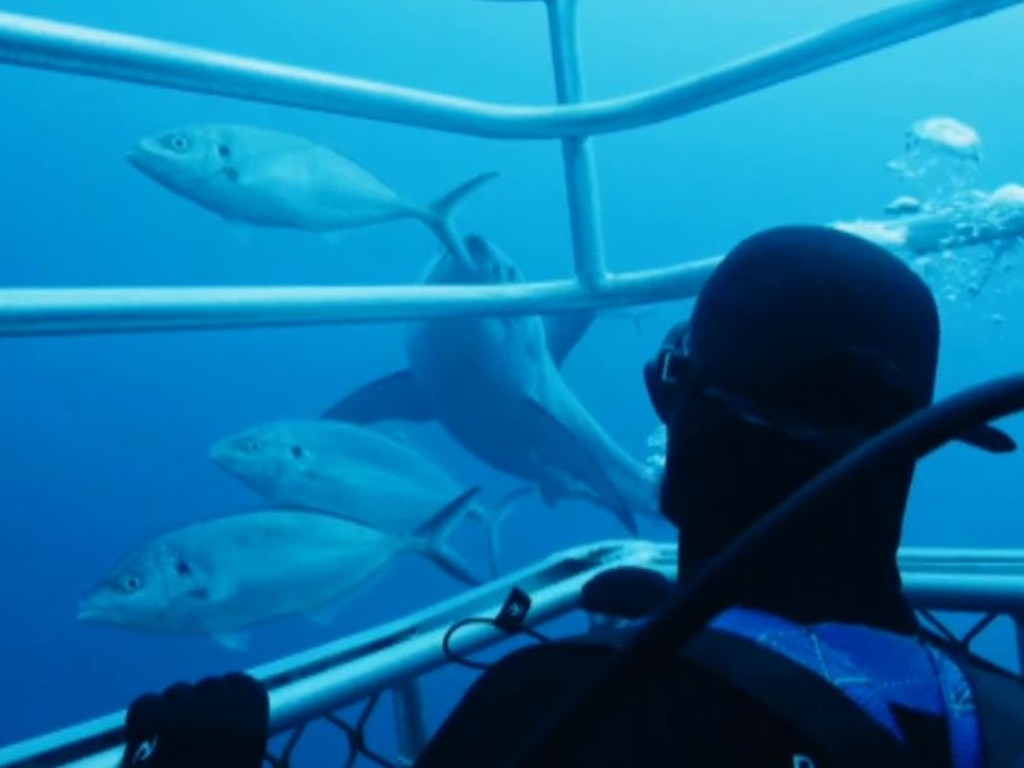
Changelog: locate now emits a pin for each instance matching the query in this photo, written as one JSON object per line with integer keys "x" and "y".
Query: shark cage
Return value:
{"x": 310, "y": 687}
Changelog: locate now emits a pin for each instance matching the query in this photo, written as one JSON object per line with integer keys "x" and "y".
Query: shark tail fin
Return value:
{"x": 493, "y": 516}
{"x": 438, "y": 215}
{"x": 430, "y": 537}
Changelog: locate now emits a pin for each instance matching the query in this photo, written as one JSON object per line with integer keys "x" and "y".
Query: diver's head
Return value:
{"x": 804, "y": 342}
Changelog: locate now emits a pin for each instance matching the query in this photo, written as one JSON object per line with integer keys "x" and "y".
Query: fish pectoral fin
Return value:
{"x": 430, "y": 537}
{"x": 235, "y": 641}
{"x": 396, "y": 396}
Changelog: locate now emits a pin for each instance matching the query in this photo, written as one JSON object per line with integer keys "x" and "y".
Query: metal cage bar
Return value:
{"x": 33, "y": 42}
{"x": 577, "y": 152}
{"x": 308, "y": 685}
{"x": 42, "y": 44}
{"x": 305, "y": 686}
{"x": 67, "y": 311}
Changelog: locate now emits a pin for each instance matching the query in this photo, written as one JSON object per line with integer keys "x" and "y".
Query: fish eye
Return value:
{"x": 297, "y": 451}
{"x": 224, "y": 150}
{"x": 131, "y": 583}
{"x": 179, "y": 142}
{"x": 183, "y": 568}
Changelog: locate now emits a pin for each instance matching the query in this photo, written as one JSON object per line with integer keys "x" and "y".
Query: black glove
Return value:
{"x": 220, "y": 722}
{"x": 626, "y": 592}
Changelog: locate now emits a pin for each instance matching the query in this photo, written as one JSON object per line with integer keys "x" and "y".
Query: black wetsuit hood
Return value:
{"x": 818, "y": 328}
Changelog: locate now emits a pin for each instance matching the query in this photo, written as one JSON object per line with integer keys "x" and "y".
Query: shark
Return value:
{"x": 495, "y": 385}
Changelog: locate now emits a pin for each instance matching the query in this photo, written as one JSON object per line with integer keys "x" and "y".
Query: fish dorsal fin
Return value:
{"x": 564, "y": 331}
{"x": 395, "y": 396}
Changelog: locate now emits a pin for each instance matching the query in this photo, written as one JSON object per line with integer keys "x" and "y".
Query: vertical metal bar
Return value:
{"x": 1018, "y": 629}
{"x": 577, "y": 152}
{"x": 410, "y": 720}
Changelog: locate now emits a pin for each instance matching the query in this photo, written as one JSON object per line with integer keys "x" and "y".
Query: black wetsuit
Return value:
{"x": 687, "y": 716}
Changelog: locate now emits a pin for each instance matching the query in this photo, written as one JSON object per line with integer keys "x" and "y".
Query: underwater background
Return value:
{"x": 105, "y": 439}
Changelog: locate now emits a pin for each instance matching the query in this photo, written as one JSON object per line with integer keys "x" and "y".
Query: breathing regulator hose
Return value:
{"x": 709, "y": 591}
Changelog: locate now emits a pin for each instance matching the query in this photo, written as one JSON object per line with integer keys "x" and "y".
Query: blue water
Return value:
{"x": 105, "y": 439}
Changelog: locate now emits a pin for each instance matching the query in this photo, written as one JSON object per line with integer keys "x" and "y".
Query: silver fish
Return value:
{"x": 274, "y": 179}
{"x": 218, "y": 577}
{"x": 365, "y": 474}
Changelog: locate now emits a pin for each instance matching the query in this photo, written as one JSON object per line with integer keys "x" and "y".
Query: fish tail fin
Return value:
{"x": 438, "y": 215}
{"x": 624, "y": 514}
{"x": 430, "y": 537}
{"x": 493, "y": 516}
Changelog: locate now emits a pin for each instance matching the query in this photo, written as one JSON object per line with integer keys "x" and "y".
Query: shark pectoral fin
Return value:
{"x": 564, "y": 331}
{"x": 579, "y": 464}
{"x": 393, "y": 397}
{"x": 235, "y": 641}
{"x": 430, "y": 537}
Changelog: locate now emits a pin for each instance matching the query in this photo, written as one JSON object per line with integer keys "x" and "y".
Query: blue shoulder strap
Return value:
{"x": 831, "y": 726}
{"x": 875, "y": 670}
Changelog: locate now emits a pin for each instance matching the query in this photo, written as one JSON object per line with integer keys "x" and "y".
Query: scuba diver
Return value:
{"x": 804, "y": 343}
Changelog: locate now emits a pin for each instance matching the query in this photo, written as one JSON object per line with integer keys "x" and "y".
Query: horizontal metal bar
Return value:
{"x": 371, "y": 657}
{"x": 66, "y": 311}
{"x": 340, "y": 673}
{"x": 38, "y": 43}
{"x": 38, "y": 312}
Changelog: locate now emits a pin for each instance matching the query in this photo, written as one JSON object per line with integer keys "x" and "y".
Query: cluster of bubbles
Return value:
{"x": 957, "y": 236}
{"x": 657, "y": 443}
{"x": 941, "y": 157}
